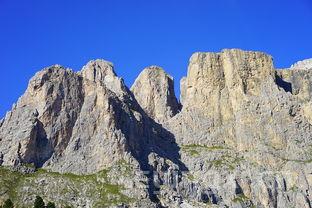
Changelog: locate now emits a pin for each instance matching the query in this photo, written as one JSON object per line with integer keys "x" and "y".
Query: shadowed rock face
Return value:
{"x": 241, "y": 139}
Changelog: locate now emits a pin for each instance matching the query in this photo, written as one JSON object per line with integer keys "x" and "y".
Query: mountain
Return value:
{"x": 240, "y": 136}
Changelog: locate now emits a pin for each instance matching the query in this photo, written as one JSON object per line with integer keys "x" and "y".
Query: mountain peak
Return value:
{"x": 302, "y": 65}
{"x": 154, "y": 91}
{"x": 97, "y": 70}
{"x": 243, "y": 127}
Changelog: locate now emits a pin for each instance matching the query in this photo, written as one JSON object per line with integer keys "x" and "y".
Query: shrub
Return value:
{"x": 8, "y": 204}
{"x": 50, "y": 205}
{"x": 39, "y": 203}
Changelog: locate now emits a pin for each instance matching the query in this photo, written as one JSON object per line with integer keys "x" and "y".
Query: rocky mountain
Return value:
{"x": 239, "y": 137}
{"x": 154, "y": 91}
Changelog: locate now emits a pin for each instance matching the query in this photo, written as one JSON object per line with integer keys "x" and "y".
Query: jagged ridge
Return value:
{"x": 241, "y": 138}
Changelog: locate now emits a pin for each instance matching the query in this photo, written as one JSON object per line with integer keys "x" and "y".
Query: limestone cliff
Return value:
{"x": 154, "y": 91}
{"x": 241, "y": 127}
{"x": 241, "y": 136}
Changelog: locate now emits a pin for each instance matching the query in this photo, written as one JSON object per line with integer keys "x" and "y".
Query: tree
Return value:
{"x": 8, "y": 204}
{"x": 50, "y": 205}
{"x": 39, "y": 203}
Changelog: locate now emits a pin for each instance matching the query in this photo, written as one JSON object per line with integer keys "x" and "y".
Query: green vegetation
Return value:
{"x": 240, "y": 198}
{"x": 9, "y": 181}
{"x": 308, "y": 150}
{"x": 298, "y": 161}
{"x": 203, "y": 147}
{"x": 294, "y": 189}
{"x": 95, "y": 186}
{"x": 195, "y": 149}
{"x": 39, "y": 203}
{"x": 193, "y": 152}
{"x": 50, "y": 205}
{"x": 29, "y": 165}
{"x": 124, "y": 167}
{"x": 227, "y": 161}
{"x": 190, "y": 177}
{"x": 298, "y": 141}
{"x": 307, "y": 161}
{"x": 8, "y": 204}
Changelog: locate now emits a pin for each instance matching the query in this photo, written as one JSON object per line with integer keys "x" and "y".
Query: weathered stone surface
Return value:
{"x": 154, "y": 91}
{"x": 106, "y": 127}
{"x": 298, "y": 80}
{"x": 242, "y": 138}
{"x": 302, "y": 65}
{"x": 238, "y": 120}
{"x": 41, "y": 122}
{"x": 65, "y": 117}
{"x": 101, "y": 71}
{"x": 83, "y": 123}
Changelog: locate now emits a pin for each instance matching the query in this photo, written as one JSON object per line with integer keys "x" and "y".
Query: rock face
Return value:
{"x": 42, "y": 120}
{"x": 66, "y": 117}
{"x": 218, "y": 82}
{"x": 98, "y": 136}
{"x": 154, "y": 91}
{"x": 303, "y": 65}
{"x": 241, "y": 137}
{"x": 297, "y": 80}
{"x": 241, "y": 126}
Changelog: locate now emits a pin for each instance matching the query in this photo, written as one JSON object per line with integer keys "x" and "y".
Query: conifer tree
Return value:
{"x": 50, "y": 205}
{"x": 8, "y": 204}
{"x": 39, "y": 203}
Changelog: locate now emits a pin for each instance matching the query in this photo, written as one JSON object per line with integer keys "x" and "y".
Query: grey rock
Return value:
{"x": 239, "y": 120}
{"x": 302, "y": 65}
{"x": 242, "y": 138}
{"x": 154, "y": 91}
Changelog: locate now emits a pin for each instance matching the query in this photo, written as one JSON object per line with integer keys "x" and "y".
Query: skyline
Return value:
{"x": 132, "y": 36}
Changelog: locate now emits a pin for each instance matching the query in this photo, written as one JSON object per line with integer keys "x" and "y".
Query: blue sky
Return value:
{"x": 134, "y": 34}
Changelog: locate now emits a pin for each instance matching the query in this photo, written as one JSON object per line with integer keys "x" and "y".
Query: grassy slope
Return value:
{"x": 63, "y": 189}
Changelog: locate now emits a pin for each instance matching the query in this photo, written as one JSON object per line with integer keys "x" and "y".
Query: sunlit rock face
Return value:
{"x": 240, "y": 136}
{"x": 71, "y": 121}
{"x": 241, "y": 122}
{"x": 154, "y": 91}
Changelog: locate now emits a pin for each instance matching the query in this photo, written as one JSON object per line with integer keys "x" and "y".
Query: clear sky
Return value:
{"x": 134, "y": 34}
